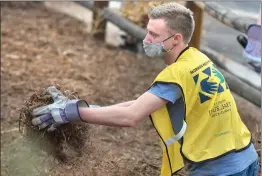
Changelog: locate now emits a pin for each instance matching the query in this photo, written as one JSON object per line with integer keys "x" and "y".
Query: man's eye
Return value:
{"x": 154, "y": 35}
{"x": 151, "y": 33}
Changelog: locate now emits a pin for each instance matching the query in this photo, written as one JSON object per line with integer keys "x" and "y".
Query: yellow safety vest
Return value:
{"x": 211, "y": 127}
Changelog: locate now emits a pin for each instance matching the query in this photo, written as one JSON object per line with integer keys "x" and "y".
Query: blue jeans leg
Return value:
{"x": 251, "y": 170}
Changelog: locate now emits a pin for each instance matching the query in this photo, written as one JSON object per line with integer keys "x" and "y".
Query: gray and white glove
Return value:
{"x": 60, "y": 112}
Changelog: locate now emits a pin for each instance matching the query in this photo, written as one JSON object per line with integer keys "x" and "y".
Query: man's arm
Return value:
{"x": 127, "y": 116}
{"x": 123, "y": 114}
{"x": 124, "y": 104}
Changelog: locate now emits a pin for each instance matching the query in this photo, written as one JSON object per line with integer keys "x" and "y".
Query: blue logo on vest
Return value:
{"x": 208, "y": 84}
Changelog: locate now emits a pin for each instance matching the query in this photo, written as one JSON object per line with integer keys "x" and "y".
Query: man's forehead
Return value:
{"x": 157, "y": 25}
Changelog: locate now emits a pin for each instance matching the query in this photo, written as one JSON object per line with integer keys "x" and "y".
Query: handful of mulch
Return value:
{"x": 67, "y": 141}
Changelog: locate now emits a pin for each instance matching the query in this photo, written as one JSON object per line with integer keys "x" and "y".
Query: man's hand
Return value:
{"x": 61, "y": 111}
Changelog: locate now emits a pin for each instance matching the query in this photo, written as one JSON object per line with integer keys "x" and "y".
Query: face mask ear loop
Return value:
{"x": 170, "y": 49}
{"x": 168, "y": 38}
{"x": 162, "y": 44}
{"x": 163, "y": 49}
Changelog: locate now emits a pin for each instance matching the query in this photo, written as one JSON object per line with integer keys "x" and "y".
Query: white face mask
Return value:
{"x": 155, "y": 49}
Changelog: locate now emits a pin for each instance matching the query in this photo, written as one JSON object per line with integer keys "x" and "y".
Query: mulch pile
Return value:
{"x": 67, "y": 141}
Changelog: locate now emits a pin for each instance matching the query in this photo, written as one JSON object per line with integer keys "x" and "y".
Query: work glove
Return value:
{"x": 60, "y": 112}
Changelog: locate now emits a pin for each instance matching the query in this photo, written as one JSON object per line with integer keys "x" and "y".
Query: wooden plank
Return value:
{"x": 198, "y": 17}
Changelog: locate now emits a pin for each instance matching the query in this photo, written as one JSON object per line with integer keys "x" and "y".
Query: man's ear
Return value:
{"x": 178, "y": 38}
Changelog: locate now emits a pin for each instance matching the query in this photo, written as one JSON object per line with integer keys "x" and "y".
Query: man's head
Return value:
{"x": 170, "y": 23}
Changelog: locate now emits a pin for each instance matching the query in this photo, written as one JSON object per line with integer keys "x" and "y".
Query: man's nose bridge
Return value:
{"x": 147, "y": 38}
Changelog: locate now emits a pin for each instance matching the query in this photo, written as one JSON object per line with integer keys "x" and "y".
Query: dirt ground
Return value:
{"x": 40, "y": 47}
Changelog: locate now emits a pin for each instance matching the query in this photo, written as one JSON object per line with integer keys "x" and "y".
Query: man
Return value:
{"x": 189, "y": 103}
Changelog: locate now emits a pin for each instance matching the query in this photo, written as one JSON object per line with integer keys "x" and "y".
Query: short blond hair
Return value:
{"x": 177, "y": 17}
